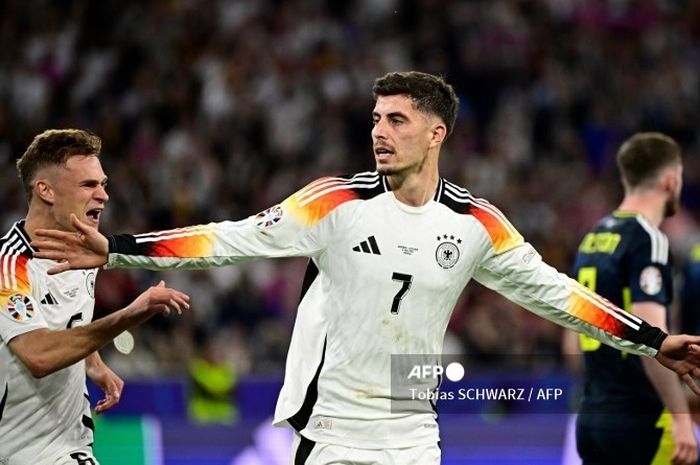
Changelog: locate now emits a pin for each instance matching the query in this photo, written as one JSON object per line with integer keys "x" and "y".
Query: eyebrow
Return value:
{"x": 94, "y": 181}
{"x": 392, "y": 114}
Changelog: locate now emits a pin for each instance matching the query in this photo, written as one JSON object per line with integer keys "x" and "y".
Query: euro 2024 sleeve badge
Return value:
{"x": 20, "y": 307}
{"x": 269, "y": 217}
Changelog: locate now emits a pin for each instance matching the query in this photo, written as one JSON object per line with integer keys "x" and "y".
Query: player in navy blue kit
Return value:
{"x": 390, "y": 252}
{"x": 690, "y": 292}
{"x": 634, "y": 412}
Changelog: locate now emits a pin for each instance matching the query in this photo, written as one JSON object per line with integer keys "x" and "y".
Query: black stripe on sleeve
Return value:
{"x": 650, "y": 336}
{"x": 125, "y": 244}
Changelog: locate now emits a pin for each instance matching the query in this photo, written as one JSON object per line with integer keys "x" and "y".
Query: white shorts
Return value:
{"x": 307, "y": 452}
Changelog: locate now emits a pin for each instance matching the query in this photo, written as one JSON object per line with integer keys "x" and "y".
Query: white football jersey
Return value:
{"x": 42, "y": 420}
{"x": 383, "y": 279}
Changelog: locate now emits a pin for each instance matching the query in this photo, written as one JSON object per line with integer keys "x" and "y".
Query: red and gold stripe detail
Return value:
{"x": 601, "y": 313}
{"x": 313, "y": 202}
{"x": 14, "y": 277}
{"x": 503, "y": 235}
{"x": 194, "y": 241}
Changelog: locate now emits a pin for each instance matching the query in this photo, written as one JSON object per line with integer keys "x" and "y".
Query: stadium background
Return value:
{"x": 213, "y": 110}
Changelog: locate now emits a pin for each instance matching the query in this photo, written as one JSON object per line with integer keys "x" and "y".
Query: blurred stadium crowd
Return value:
{"x": 213, "y": 110}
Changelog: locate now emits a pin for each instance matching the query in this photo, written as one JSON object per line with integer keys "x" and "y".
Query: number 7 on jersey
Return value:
{"x": 406, "y": 280}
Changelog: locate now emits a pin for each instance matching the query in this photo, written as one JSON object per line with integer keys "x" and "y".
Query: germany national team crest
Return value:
{"x": 447, "y": 252}
{"x": 20, "y": 307}
{"x": 269, "y": 217}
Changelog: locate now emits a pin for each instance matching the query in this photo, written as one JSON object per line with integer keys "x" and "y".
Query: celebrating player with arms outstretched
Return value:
{"x": 390, "y": 252}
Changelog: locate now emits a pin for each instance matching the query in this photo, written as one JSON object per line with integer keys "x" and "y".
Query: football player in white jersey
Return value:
{"x": 47, "y": 343}
{"x": 390, "y": 252}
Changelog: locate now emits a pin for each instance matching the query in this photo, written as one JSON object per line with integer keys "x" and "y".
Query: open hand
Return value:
{"x": 160, "y": 299}
{"x": 84, "y": 248}
{"x": 107, "y": 380}
{"x": 681, "y": 353}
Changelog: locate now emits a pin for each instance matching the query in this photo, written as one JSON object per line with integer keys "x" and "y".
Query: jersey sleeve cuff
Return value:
{"x": 650, "y": 336}
{"x": 124, "y": 244}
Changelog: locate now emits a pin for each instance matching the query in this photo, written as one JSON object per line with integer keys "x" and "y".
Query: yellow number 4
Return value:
{"x": 587, "y": 276}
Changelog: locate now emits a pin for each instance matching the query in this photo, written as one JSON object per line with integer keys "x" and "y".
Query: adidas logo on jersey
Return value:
{"x": 49, "y": 299}
{"x": 368, "y": 246}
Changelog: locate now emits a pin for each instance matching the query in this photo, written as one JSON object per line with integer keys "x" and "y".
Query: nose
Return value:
{"x": 378, "y": 130}
{"x": 101, "y": 194}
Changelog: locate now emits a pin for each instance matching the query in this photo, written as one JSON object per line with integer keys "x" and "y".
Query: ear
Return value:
{"x": 44, "y": 191}
{"x": 438, "y": 134}
{"x": 670, "y": 180}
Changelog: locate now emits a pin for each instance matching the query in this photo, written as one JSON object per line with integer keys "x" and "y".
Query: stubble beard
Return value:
{"x": 387, "y": 170}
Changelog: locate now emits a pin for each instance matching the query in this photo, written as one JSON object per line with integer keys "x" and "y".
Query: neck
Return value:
{"x": 647, "y": 204}
{"x": 39, "y": 217}
{"x": 417, "y": 188}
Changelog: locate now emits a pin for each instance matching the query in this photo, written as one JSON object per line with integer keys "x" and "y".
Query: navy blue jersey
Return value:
{"x": 690, "y": 293}
{"x": 626, "y": 260}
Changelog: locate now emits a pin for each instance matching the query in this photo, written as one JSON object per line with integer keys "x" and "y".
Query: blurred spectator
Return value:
{"x": 212, "y": 383}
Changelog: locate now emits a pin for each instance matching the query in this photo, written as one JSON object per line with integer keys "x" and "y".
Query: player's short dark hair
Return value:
{"x": 642, "y": 157}
{"x": 430, "y": 93}
{"x": 55, "y": 147}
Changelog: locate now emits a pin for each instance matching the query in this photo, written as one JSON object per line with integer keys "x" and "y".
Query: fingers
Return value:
{"x": 112, "y": 395}
{"x": 48, "y": 249}
{"x": 685, "y": 454}
{"x": 690, "y": 382}
{"x": 165, "y": 310}
{"x": 178, "y": 302}
{"x": 60, "y": 236}
{"x": 110, "y": 400}
{"x": 79, "y": 225}
{"x": 170, "y": 299}
{"x": 51, "y": 254}
{"x": 60, "y": 268}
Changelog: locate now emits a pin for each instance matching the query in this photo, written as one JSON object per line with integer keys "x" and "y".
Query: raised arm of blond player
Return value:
{"x": 44, "y": 351}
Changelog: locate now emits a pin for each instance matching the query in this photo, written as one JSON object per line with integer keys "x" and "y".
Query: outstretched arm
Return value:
{"x": 44, "y": 351}
{"x": 521, "y": 276}
{"x": 300, "y": 226}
